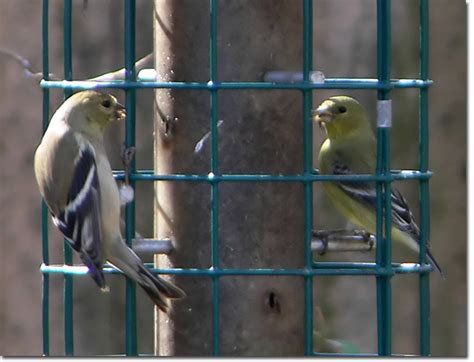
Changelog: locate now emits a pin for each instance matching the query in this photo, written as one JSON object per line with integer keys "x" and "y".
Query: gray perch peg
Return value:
{"x": 152, "y": 246}
{"x": 342, "y": 240}
{"x": 323, "y": 241}
{"x": 284, "y": 76}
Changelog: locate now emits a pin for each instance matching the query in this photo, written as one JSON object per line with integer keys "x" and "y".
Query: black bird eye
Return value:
{"x": 342, "y": 109}
{"x": 106, "y": 103}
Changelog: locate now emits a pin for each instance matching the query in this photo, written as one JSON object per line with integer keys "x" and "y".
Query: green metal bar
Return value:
{"x": 68, "y": 282}
{"x": 148, "y": 175}
{"x": 360, "y": 355}
{"x": 424, "y": 284}
{"x": 308, "y": 168}
{"x": 398, "y": 268}
{"x": 331, "y": 269}
{"x": 45, "y": 279}
{"x": 214, "y": 172}
{"x": 330, "y": 83}
{"x": 383, "y": 253}
{"x": 130, "y": 103}
{"x": 44, "y": 208}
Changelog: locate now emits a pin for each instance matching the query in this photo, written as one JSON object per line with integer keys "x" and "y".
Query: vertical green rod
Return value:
{"x": 383, "y": 45}
{"x": 214, "y": 186}
{"x": 44, "y": 208}
{"x": 308, "y": 166}
{"x": 45, "y": 277}
{"x": 424, "y": 286}
{"x": 130, "y": 104}
{"x": 383, "y": 254}
{"x": 68, "y": 281}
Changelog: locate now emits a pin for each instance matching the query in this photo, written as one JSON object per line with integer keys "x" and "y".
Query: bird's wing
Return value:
{"x": 402, "y": 216}
{"x": 79, "y": 221}
{"x": 365, "y": 193}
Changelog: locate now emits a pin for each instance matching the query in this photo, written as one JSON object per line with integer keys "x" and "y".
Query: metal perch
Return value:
{"x": 342, "y": 240}
{"x": 323, "y": 241}
{"x": 152, "y": 246}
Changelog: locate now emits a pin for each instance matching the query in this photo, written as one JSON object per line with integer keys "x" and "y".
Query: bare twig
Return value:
{"x": 25, "y": 64}
{"x": 119, "y": 74}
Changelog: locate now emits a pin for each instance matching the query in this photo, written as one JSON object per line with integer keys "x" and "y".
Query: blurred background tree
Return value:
{"x": 344, "y": 46}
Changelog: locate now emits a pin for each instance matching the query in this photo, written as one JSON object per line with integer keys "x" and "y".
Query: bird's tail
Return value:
{"x": 158, "y": 289}
{"x": 435, "y": 264}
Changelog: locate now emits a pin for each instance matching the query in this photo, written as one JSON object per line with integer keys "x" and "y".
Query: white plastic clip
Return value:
{"x": 384, "y": 113}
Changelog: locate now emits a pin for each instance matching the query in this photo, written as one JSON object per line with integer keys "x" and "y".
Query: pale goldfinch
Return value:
{"x": 75, "y": 179}
{"x": 350, "y": 148}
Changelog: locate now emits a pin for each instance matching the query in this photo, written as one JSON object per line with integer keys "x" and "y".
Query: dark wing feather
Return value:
{"x": 80, "y": 219}
{"x": 365, "y": 192}
{"x": 402, "y": 217}
{"x": 362, "y": 191}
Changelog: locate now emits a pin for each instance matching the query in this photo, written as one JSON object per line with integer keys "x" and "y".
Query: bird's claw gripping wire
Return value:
{"x": 323, "y": 236}
{"x": 367, "y": 237}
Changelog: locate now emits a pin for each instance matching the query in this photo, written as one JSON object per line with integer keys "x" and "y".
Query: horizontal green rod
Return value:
{"x": 366, "y": 355}
{"x": 319, "y": 354}
{"x": 145, "y": 175}
{"x": 372, "y": 270}
{"x": 401, "y": 267}
{"x": 331, "y": 83}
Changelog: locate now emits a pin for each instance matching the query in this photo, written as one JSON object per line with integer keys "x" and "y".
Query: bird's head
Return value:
{"x": 93, "y": 111}
{"x": 343, "y": 117}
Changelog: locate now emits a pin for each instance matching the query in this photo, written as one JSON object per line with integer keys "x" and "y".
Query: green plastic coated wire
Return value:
{"x": 130, "y": 102}
{"x": 145, "y": 175}
{"x": 44, "y": 208}
{"x": 317, "y": 268}
{"x": 383, "y": 252}
{"x": 424, "y": 287}
{"x": 329, "y": 83}
{"x": 382, "y": 269}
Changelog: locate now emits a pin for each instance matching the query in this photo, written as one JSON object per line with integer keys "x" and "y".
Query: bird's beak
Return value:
{"x": 120, "y": 112}
{"x": 322, "y": 114}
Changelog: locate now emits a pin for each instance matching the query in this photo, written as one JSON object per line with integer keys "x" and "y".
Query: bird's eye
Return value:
{"x": 106, "y": 103}
{"x": 342, "y": 109}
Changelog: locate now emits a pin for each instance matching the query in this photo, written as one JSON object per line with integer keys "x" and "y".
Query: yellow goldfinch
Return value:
{"x": 350, "y": 148}
{"x": 75, "y": 179}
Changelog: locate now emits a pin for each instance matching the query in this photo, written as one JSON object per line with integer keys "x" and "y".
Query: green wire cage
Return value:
{"x": 382, "y": 270}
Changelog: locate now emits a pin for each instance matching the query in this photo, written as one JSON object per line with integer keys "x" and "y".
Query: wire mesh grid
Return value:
{"x": 383, "y": 269}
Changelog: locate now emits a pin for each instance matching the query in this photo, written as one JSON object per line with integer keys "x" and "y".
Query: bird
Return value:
{"x": 75, "y": 179}
{"x": 350, "y": 148}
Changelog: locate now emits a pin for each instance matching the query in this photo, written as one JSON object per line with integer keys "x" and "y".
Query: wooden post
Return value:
{"x": 260, "y": 224}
